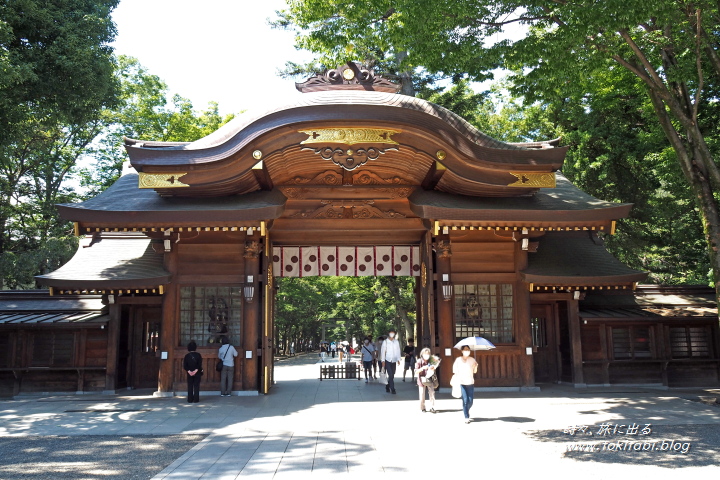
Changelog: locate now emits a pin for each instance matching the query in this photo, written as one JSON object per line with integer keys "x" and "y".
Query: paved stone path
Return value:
{"x": 347, "y": 427}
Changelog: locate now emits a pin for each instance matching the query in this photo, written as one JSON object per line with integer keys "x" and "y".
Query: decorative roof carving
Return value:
{"x": 359, "y": 208}
{"x": 533, "y": 179}
{"x": 349, "y": 136}
{"x": 351, "y": 76}
{"x": 161, "y": 180}
{"x": 350, "y": 159}
{"x": 366, "y": 177}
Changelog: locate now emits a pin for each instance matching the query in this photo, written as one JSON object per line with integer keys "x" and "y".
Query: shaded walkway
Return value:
{"x": 306, "y": 426}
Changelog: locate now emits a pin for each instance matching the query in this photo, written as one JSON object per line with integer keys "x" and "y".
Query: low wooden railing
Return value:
{"x": 344, "y": 370}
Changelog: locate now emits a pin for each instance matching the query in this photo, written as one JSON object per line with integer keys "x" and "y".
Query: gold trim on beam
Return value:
{"x": 515, "y": 227}
{"x": 349, "y": 136}
{"x": 576, "y": 288}
{"x": 612, "y": 227}
{"x": 89, "y": 230}
{"x": 160, "y": 290}
{"x": 161, "y": 180}
{"x": 533, "y": 180}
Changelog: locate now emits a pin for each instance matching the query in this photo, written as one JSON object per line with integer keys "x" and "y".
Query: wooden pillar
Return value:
{"x": 251, "y": 319}
{"x": 523, "y": 329}
{"x": 524, "y": 334}
{"x": 445, "y": 310}
{"x": 169, "y": 329}
{"x": 575, "y": 341}
{"x": 113, "y": 343}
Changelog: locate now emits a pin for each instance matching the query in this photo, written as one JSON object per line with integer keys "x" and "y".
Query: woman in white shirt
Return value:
{"x": 464, "y": 370}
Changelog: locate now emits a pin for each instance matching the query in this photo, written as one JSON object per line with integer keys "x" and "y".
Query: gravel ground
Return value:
{"x": 91, "y": 457}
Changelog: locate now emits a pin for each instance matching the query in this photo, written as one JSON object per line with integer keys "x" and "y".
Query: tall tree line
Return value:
{"x": 65, "y": 97}
{"x": 347, "y": 307}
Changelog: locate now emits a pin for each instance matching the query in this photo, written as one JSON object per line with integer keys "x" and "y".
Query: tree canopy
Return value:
{"x": 572, "y": 54}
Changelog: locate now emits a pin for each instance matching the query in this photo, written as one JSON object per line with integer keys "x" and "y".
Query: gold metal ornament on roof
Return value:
{"x": 257, "y": 154}
{"x": 348, "y": 74}
{"x": 440, "y": 154}
{"x": 533, "y": 180}
{"x": 161, "y": 180}
{"x": 349, "y": 136}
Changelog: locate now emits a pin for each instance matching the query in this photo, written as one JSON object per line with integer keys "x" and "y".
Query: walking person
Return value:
{"x": 464, "y": 370}
{"x": 427, "y": 378}
{"x": 368, "y": 356}
{"x": 192, "y": 364}
{"x": 409, "y": 352}
{"x": 376, "y": 361}
{"x": 390, "y": 358}
{"x": 340, "y": 351}
{"x": 323, "y": 351}
{"x": 333, "y": 349}
{"x": 227, "y": 354}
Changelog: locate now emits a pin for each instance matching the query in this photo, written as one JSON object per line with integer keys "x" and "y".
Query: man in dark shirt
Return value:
{"x": 409, "y": 352}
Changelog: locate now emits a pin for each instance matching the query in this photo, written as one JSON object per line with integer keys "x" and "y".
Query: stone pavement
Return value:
{"x": 311, "y": 427}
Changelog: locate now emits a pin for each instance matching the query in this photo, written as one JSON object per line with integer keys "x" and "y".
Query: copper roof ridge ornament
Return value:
{"x": 350, "y": 76}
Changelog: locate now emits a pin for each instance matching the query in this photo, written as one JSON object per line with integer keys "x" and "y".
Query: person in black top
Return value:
{"x": 192, "y": 364}
{"x": 409, "y": 352}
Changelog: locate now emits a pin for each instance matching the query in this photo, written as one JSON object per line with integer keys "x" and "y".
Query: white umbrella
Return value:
{"x": 475, "y": 343}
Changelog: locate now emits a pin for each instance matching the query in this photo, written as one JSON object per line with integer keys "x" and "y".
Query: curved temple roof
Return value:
{"x": 415, "y": 124}
{"x": 102, "y": 263}
{"x": 577, "y": 259}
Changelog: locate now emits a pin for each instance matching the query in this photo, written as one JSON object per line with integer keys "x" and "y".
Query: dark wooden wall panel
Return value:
{"x": 491, "y": 257}
{"x": 591, "y": 343}
{"x": 96, "y": 349}
{"x": 498, "y": 369}
{"x": 211, "y": 259}
{"x": 211, "y": 378}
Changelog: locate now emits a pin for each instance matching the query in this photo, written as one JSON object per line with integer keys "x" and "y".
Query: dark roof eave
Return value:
{"x": 567, "y": 280}
{"x": 94, "y": 284}
{"x": 528, "y": 215}
{"x": 177, "y": 217}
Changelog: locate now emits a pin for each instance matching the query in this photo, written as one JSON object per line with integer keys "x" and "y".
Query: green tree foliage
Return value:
{"x": 144, "y": 113}
{"x": 56, "y": 76}
{"x": 351, "y": 307}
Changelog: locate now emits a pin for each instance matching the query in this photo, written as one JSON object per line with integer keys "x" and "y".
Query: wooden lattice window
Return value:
{"x": 690, "y": 342}
{"x": 207, "y": 314}
{"x": 632, "y": 342}
{"x": 484, "y": 310}
{"x": 53, "y": 349}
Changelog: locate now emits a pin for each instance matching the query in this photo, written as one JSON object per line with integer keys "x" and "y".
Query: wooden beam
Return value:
{"x": 262, "y": 176}
{"x": 437, "y": 170}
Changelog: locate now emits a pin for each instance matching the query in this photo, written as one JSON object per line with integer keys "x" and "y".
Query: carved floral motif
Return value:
{"x": 328, "y": 177}
{"x": 365, "y": 177}
{"x": 336, "y": 209}
{"x": 350, "y": 159}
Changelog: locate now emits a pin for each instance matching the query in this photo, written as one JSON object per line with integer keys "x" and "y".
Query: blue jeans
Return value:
{"x": 467, "y": 398}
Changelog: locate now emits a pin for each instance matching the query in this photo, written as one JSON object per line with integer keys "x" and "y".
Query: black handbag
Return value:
{"x": 221, "y": 362}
